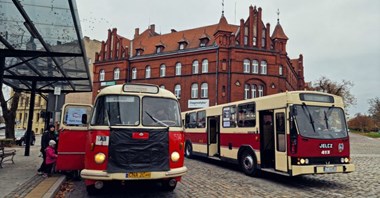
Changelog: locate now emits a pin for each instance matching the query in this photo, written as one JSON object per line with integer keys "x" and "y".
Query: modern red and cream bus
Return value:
{"x": 134, "y": 133}
{"x": 291, "y": 133}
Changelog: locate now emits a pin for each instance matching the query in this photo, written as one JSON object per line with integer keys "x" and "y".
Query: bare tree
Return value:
{"x": 9, "y": 111}
{"x": 341, "y": 89}
{"x": 374, "y": 110}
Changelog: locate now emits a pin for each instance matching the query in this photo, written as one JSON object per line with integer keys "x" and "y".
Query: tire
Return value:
{"x": 166, "y": 187}
{"x": 248, "y": 163}
{"x": 91, "y": 190}
{"x": 188, "y": 150}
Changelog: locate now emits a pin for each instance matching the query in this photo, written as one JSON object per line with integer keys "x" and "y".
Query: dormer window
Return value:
{"x": 158, "y": 50}
{"x": 203, "y": 42}
{"x": 159, "y": 47}
{"x": 182, "y": 46}
{"x": 139, "y": 51}
{"x": 182, "y": 43}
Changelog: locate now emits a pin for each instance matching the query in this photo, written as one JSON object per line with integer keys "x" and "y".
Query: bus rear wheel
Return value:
{"x": 248, "y": 163}
{"x": 188, "y": 150}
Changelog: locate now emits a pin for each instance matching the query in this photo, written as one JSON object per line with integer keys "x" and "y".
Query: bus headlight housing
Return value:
{"x": 99, "y": 158}
{"x": 344, "y": 160}
{"x": 174, "y": 156}
{"x": 303, "y": 161}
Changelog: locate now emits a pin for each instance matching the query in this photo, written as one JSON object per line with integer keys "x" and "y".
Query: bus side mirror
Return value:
{"x": 84, "y": 118}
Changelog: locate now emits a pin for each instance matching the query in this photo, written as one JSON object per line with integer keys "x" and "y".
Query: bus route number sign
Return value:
{"x": 139, "y": 175}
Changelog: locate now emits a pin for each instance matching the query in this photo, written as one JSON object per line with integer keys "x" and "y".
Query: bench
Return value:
{"x": 9, "y": 154}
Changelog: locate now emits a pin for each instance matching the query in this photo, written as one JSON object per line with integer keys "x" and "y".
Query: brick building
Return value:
{"x": 203, "y": 66}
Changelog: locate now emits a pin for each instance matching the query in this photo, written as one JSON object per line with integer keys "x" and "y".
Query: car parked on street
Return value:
{"x": 20, "y": 135}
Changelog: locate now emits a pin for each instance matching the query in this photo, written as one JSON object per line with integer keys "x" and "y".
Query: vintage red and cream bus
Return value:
{"x": 290, "y": 133}
{"x": 134, "y": 132}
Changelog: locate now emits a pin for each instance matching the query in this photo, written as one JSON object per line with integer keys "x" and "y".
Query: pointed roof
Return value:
{"x": 223, "y": 25}
{"x": 278, "y": 33}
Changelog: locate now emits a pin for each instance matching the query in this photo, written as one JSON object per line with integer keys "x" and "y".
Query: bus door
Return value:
{"x": 266, "y": 139}
{"x": 213, "y": 148}
{"x": 72, "y": 136}
{"x": 280, "y": 141}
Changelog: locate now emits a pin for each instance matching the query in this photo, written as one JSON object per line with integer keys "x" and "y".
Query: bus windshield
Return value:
{"x": 160, "y": 112}
{"x": 320, "y": 122}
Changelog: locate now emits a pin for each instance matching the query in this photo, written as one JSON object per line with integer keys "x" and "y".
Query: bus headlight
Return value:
{"x": 302, "y": 161}
{"x": 99, "y": 158}
{"x": 346, "y": 160}
{"x": 175, "y": 156}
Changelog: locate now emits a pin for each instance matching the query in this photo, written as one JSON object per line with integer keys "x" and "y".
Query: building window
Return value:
{"x": 263, "y": 67}
{"x": 101, "y": 75}
{"x": 204, "y": 90}
{"x": 203, "y": 42}
{"x": 246, "y": 91}
{"x": 280, "y": 72}
{"x": 261, "y": 90}
{"x": 162, "y": 70}
{"x": 182, "y": 46}
{"x": 205, "y": 66}
{"x": 147, "y": 72}
{"x": 245, "y": 35}
{"x": 246, "y": 65}
{"x": 254, "y": 41}
{"x": 194, "y": 90}
{"x": 177, "y": 90}
{"x": 178, "y": 68}
{"x": 263, "y": 39}
{"x": 158, "y": 49}
{"x": 253, "y": 91}
{"x": 195, "y": 67}
{"x": 134, "y": 73}
{"x": 116, "y": 74}
{"x": 255, "y": 67}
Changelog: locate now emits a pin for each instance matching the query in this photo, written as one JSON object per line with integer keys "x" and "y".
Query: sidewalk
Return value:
{"x": 21, "y": 179}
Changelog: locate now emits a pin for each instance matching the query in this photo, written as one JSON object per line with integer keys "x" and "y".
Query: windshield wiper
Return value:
{"x": 156, "y": 120}
{"x": 304, "y": 106}
{"x": 327, "y": 114}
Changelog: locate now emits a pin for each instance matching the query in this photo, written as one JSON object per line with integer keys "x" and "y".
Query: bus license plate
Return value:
{"x": 330, "y": 169}
{"x": 138, "y": 175}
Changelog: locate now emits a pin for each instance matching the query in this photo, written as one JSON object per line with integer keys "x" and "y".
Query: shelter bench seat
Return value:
{"x": 6, "y": 153}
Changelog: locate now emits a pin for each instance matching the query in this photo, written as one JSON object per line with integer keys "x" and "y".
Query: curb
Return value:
{"x": 55, "y": 187}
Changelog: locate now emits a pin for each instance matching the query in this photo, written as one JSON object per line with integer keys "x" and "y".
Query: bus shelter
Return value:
{"x": 41, "y": 49}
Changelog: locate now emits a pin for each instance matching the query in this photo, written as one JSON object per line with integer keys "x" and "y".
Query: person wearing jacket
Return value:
{"x": 48, "y": 135}
{"x": 51, "y": 158}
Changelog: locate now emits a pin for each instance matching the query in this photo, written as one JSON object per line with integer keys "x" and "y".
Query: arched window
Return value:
{"x": 246, "y": 91}
{"x": 101, "y": 75}
{"x": 194, "y": 90}
{"x": 178, "y": 68}
{"x": 263, "y": 67}
{"x": 162, "y": 70}
{"x": 195, "y": 67}
{"x": 204, "y": 90}
{"x": 280, "y": 72}
{"x": 255, "y": 67}
{"x": 246, "y": 65}
{"x": 177, "y": 90}
{"x": 253, "y": 91}
{"x": 205, "y": 66}
{"x": 116, "y": 74}
{"x": 147, "y": 72}
{"x": 261, "y": 90}
{"x": 134, "y": 73}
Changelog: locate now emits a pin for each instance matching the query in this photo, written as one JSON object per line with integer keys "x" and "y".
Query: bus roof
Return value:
{"x": 118, "y": 89}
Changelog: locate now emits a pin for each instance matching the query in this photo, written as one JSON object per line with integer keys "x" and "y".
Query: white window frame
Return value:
{"x": 261, "y": 90}
{"x": 134, "y": 73}
{"x": 178, "y": 68}
{"x": 195, "y": 67}
{"x": 182, "y": 46}
{"x": 246, "y": 91}
{"x": 194, "y": 90}
{"x": 263, "y": 67}
{"x": 205, "y": 66}
{"x": 116, "y": 73}
{"x": 177, "y": 90}
{"x": 253, "y": 91}
{"x": 255, "y": 66}
{"x": 204, "y": 90}
{"x": 147, "y": 72}
{"x": 280, "y": 70}
{"x": 163, "y": 70}
{"x": 246, "y": 65}
{"x": 102, "y": 74}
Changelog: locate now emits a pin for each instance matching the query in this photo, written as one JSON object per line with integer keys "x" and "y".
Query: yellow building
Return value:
{"x": 40, "y": 105}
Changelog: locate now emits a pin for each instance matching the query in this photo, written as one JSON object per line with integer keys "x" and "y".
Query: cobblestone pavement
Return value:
{"x": 208, "y": 178}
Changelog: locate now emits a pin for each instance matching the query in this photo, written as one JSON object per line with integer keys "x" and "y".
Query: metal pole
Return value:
{"x": 30, "y": 119}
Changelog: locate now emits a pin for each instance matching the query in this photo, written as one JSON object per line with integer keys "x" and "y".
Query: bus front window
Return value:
{"x": 320, "y": 122}
{"x": 160, "y": 112}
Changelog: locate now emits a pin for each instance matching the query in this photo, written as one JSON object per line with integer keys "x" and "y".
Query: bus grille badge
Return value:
{"x": 340, "y": 147}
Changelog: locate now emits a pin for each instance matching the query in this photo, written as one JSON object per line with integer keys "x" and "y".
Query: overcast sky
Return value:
{"x": 339, "y": 39}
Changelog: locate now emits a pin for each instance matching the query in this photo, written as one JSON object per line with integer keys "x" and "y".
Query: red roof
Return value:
{"x": 278, "y": 33}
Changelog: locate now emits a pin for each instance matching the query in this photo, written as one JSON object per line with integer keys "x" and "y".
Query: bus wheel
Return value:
{"x": 248, "y": 163}
{"x": 169, "y": 185}
{"x": 188, "y": 150}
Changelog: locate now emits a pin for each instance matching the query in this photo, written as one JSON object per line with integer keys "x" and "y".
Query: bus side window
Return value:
{"x": 229, "y": 117}
{"x": 246, "y": 115}
{"x": 201, "y": 122}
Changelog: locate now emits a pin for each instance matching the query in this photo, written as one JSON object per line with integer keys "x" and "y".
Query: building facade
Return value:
{"x": 204, "y": 66}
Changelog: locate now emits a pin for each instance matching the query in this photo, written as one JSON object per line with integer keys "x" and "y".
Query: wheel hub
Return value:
{"x": 248, "y": 162}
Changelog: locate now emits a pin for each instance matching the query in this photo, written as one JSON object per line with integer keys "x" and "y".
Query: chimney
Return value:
{"x": 137, "y": 32}
{"x": 173, "y": 30}
{"x": 152, "y": 28}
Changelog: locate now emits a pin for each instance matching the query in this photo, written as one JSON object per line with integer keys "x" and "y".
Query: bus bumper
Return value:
{"x": 103, "y": 175}
{"x": 322, "y": 169}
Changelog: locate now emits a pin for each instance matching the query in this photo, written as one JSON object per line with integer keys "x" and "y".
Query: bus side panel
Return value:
{"x": 92, "y": 150}
{"x": 71, "y": 149}
{"x": 176, "y": 143}
{"x": 198, "y": 141}
{"x": 233, "y": 141}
